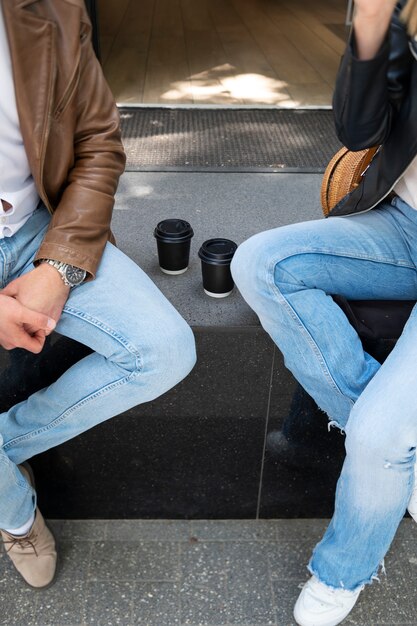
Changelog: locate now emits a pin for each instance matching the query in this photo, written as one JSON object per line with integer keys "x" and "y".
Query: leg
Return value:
{"x": 286, "y": 276}
{"x": 142, "y": 348}
{"x": 377, "y": 477}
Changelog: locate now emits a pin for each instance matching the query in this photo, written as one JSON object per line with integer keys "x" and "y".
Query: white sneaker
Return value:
{"x": 412, "y": 505}
{"x": 320, "y": 605}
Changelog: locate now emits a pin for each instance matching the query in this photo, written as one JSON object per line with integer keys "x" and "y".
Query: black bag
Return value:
{"x": 376, "y": 319}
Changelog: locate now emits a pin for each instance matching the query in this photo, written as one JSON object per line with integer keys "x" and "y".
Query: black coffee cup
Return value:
{"x": 216, "y": 255}
{"x": 173, "y": 238}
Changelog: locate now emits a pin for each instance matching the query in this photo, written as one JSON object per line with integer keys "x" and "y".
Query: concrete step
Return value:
{"x": 198, "y": 451}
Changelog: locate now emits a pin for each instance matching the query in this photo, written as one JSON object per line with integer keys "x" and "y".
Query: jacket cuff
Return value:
{"x": 58, "y": 252}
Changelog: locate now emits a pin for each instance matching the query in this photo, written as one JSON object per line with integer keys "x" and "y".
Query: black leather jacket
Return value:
{"x": 375, "y": 103}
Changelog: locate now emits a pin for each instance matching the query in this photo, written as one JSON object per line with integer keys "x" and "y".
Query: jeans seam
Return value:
{"x": 109, "y": 331}
{"x": 362, "y": 257}
{"x": 297, "y": 320}
{"x": 57, "y": 421}
{"x": 24, "y": 485}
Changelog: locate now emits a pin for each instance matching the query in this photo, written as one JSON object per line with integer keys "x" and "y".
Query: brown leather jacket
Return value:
{"x": 69, "y": 124}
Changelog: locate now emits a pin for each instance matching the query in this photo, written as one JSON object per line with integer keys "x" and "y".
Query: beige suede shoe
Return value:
{"x": 34, "y": 554}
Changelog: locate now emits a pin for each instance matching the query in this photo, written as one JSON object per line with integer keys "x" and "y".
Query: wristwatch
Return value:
{"x": 70, "y": 274}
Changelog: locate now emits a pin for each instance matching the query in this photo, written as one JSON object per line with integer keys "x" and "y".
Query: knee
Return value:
{"x": 184, "y": 350}
{"x": 172, "y": 354}
{"x": 269, "y": 260}
{"x": 374, "y": 437}
{"x": 250, "y": 264}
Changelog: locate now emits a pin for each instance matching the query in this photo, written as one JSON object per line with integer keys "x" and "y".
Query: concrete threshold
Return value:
{"x": 196, "y": 573}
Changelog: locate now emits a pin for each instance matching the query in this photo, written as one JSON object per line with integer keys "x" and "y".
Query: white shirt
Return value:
{"x": 406, "y": 187}
{"x": 17, "y": 187}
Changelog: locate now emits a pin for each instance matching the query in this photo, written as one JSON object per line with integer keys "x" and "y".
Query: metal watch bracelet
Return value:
{"x": 70, "y": 274}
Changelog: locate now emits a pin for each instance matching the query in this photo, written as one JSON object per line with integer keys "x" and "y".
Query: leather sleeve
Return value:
{"x": 368, "y": 94}
{"x": 80, "y": 224}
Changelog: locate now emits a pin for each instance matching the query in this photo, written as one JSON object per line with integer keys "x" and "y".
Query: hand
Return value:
{"x": 41, "y": 290}
{"x": 21, "y": 327}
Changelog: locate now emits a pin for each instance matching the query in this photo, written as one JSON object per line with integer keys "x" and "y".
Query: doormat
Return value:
{"x": 228, "y": 140}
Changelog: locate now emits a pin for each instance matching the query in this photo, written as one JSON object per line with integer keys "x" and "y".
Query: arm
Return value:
{"x": 370, "y": 26}
{"x": 373, "y": 76}
{"x": 80, "y": 224}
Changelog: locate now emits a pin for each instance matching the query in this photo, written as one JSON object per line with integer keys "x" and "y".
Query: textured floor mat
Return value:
{"x": 228, "y": 139}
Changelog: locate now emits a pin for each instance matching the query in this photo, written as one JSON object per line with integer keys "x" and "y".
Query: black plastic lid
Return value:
{"x": 173, "y": 230}
{"x": 217, "y": 251}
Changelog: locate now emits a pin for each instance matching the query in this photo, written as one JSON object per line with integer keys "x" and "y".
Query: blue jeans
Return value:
{"x": 142, "y": 347}
{"x": 285, "y": 275}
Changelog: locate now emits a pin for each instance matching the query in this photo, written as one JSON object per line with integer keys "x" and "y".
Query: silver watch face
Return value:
{"x": 74, "y": 275}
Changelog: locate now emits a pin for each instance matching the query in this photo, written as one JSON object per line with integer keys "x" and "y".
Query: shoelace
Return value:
{"x": 22, "y": 543}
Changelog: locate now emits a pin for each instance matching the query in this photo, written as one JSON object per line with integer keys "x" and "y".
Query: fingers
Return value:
{"x": 36, "y": 320}
{"x": 20, "y": 327}
{"x": 9, "y": 290}
{"x": 34, "y": 329}
{"x": 22, "y": 339}
{"x": 32, "y": 343}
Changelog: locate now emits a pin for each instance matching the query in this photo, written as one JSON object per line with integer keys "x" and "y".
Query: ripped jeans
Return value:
{"x": 285, "y": 275}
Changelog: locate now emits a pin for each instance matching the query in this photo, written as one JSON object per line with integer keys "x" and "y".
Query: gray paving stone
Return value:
{"x": 251, "y": 602}
{"x": 79, "y": 530}
{"x": 402, "y": 557}
{"x": 204, "y": 604}
{"x": 18, "y": 603}
{"x": 203, "y": 595}
{"x": 240, "y": 530}
{"x": 148, "y": 530}
{"x": 135, "y": 561}
{"x": 61, "y": 604}
{"x": 7, "y": 572}
{"x": 384, "y": 603}
{"x": 248, "y": 560}
{"x": 234, "y": 577}
{"x": 114, "y": 560}
{"x": 300, "y": 530}
{"x": 285, "y": 594}
{"x": 56, "y": 526}
{"x": 73, "y": 559}
{"x": 156, "y": 603}
{"x": 288, "y": 560}
{"x": 203, "y": 563}
{"x": 406, "y": 530}
{"x": 392, "y": 601}
{"x": 109, "y": 603}
{"x": 249, "y": 583}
